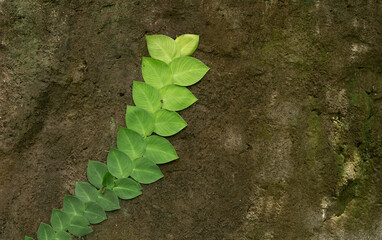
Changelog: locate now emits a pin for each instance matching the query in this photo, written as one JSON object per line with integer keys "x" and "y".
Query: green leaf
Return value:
{"x": 73, "y": 205}
{"x": 162, "y": 47}
{"x": 139, "y": 120}
{"x": 59, "y": 220}
{"x": 94, "y": 213}
{"x": 130, "y": 143}
{"x": 127, "y": 188}
{"x": 155, "y": 72}
{"x": 62, "y": 236}
{"x": 28, "y": 238}
{"x": 108, "y": 180}
{"x": 108, "y": 200}
{"x": 176, "y": 98}
{"x": 79, "y": 226}
{"x": 168, "y": 123}
{"x": 187, "y": 70}
{"x": 146, "y": 171}
{"x": 86, "y": 192}
{"x": 187, "y": 43}
{"x": 95, "y": 172}
{"x": 146, "y": 97}
{"x": 119, "y": 164}
{"x": 45, "y": 232}
{"x": 159, "y": 150}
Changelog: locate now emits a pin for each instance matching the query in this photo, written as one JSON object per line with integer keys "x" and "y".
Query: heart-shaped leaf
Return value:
{"x": 146, "y": 96}
{"x": 79, "y": 226}
{"x": 95, "y": 172}
{"x": 59, "y": 220}
{"x": 94, "y": 213}
{"x": 162, "y": 47}
{"x": 108, "y": 200}
{"x": 159, "y": 150}
{"x": 130, "y": 143}
{"x": 73, "y": 206}
{"x": 155, "y": 72}
{"x": 119, "y": 164}
{"x": 127, "y": 188}
{"x": 176, "y": 98}
{"x": 146, "y": 171}
{"x": 168, "y": 123}
{"x": 139, "y": 120}
{"x": 86, "y": 192}
{"x": 187, "y": 70}
{"x": 187, "y": 43}
{"x": 45, "y": 232}
{"x": 62, "y": 235}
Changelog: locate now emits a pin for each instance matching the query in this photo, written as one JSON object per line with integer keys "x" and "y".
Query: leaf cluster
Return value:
{"x": 135, "y": 160}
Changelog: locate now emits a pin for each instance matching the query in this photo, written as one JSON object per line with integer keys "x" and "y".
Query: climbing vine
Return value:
{"x": 166, "y": 74}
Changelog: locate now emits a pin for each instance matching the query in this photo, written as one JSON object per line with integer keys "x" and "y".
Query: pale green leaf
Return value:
{"x": 159, "y": 150}
{"x": 146, "y": 171}
{"x": 95, "y": 172}
{"x": 86, "y": 192}
{"x": 62, "y": 235}
{"x": 119, "y": 164}
{"x": 162, "y": 47}
{"x": 187, "y": 70}
{"x": 45, "y": 232}
{"x": 176, "y": 98}
{"x": 187, "y": 43}
{"x": 155, "y": 72}
{"x": 127, "y": 188}
{"x": 108, "y": 200}
{"x": 168, "y": 123}
{"x": 59, "y": 220}
{"x": 130, "y": 143}
{"x": 94, "y": 213}
{"x": 146, "y": 97}
{"x": 73, "y": 205}
{"x": 139, "y": 120}
{"x": 79, "y": 226}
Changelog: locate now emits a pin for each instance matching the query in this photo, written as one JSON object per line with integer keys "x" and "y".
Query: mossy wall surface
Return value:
{"x": 285, "y": 141}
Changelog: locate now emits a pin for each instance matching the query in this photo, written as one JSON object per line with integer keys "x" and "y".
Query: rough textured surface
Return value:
{"x": 285, "y": 141}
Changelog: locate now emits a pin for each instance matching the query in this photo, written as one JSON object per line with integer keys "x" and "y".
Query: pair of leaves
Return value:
{"x": 166, "y": 49}
{"x": 162, "y": 122}
{"x": 170, "y": 97}
{"x": 46, "y": 232}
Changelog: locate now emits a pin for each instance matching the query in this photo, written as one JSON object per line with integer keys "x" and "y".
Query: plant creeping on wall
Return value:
{"x": 141, "y": 146}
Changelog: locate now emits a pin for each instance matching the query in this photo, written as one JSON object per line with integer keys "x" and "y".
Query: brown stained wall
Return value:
{"x": 285, "y": 141}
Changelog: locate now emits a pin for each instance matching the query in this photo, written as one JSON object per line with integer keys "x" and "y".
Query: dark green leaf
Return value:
{"x": 139, "y": 120}
{"x": 79, "y": 226}
{"x": 73, "y": 206}
{"x": 130, "y": 143}
{"x": 159, "y": 150}
{"x": 108, "y": 180}
{"x": 156, "y": 73}
{"x": 108, "y": 200}
{"x": 146, "y": 171}
{"x": 127, "y": 188}
{"x": 94, "y": 213}
{"x": 168, "y": 123}
{"x": 59, "y": 220}
{"x": 45, "y": 232}
{"x": 146, "y": 97}
{"x": 86, "y": 192}
{"x": 95, "y": 173}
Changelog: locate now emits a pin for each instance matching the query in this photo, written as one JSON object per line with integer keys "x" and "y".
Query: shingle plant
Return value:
{"x": 166, "y": 74}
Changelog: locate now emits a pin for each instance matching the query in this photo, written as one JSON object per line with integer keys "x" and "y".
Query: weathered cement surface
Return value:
{"x": 285, "y": 141}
